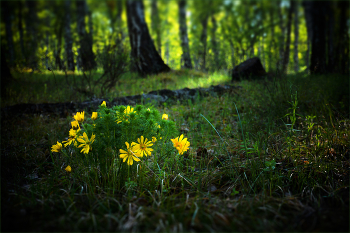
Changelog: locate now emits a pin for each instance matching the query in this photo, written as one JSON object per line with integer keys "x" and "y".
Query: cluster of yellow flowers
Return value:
{"x": 73, "y": 135}
{"x": 133, "y": 152}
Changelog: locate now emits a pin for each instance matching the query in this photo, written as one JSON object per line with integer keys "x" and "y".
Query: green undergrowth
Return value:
{"x": 274, "y": 156}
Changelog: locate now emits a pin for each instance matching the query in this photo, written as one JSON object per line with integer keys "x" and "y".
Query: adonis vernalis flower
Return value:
{"x": 72, "y": 136}
{"x": 79, "y": 116}
{"x": 165, "y": 116}
{"x": 94, "y": 116}
{"x": 104, "y": 104}
{"x": 68, "y": 169}
{"x": 181, "y": 144}
{"x": 130, "y": 154}
{"x": 75, "y": 125}
{"x": 142, "y": 147}
{"x": 85, "y": 142}
{"x": 57, "y": 147}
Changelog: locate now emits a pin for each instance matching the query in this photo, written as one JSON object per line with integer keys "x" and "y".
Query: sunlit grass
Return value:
{"x": 48, "y": 87}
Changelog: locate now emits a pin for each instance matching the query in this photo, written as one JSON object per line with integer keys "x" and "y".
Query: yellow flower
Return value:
{"x": 181, "y": 144}
{"x": 75, "y": 125}
{"x": 57, "y": 147}
{"x": 165, "y": 116}
{"x": 154, "y": 139}
{"x": 104, "y": 104}
{"x": 148, "y": 109}
{"x": 130, "y": 154}
{"x": 94, "y": 116}
{"x": 79, "y": 116}
{"x": 85, "y": 142}
{"x": 142, "y": 147}
{"x": 68, "y": 169}
{"x": 127, "y": 112}
{"x": 72, "y": 136}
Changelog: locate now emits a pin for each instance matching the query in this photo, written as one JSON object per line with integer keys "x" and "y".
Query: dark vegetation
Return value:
{"x": 269, "y": 150}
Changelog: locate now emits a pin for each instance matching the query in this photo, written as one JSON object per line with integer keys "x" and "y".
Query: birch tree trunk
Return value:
{"x": 183, "y": 35}
{"x": 296, "y": 36}
{"x": 86, "y": 55}
{"x": 289, "y": 29}
{"x": 156, "y": 26}
{"x": 143, "y": 51}
{"x": 68, "y": 37}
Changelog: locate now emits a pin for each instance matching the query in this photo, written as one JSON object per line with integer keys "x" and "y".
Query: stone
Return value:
{"x": 251, "y": 68}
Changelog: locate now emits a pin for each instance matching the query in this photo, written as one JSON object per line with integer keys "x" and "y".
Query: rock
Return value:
{"x": 251, "y": 68}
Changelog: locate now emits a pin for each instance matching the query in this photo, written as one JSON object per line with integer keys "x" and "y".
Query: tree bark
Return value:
{"x": 183, "y": 35}
{"x": 287, "y": 49}
{"x": 8, "y": 15}
{"x": 68, "y": 38}
{"x": 143, "y": 51}
{"x": 156, "y": 26}
{"x": 214, "y": 43}
{"x": 281, "y": 40}
{"x": 31, "y": 26}
{"x": 318, "y": 42}
{"x": 272, "y": 41}
{"x": 343, "y": 37}
{"x": 308, "y": 18}
{"x": 203, "y": 39}
{"x": 20, "y": 29}
{"x": 87, "y": 56}
{"x": 6, "y": 76}
{"x": 296, "y": 37}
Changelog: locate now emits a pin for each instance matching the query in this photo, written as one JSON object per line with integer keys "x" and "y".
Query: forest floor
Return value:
{"x": 270, "y": 156}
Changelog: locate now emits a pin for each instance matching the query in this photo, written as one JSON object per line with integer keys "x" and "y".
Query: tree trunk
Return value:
{"x": 58, "y": 49}
{"x": 87, "y": 56}
{"x": 308, "y": 18}
{"x": 214, "y": 43}
{"x": 6, "y": 76}
{"x": 144, "y": 53}
{"x": 318, "y": 42}
{"x": 68, "y": 38}
{"x": 343, "y": 37}
{"x": 156, "y": 26}
{"x": 120, "y": 31}
{"x": 20, "y": 29}
{"x": 296, "y": 37}
{"x": 287, "y": 49}
{"x": 183, "y": 35}
{"x": 31, "y": 26}
{"x": 232, "y": 54}
{"x": 281, "y": 40}
{"x": 202, "y": 54}
{"x": 8, "y": 15}
{"x": 272, "y": 41}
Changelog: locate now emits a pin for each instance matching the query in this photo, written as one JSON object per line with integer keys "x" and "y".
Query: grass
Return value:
{"x": 49, "y": 87}
{"x": 274, "y": 157}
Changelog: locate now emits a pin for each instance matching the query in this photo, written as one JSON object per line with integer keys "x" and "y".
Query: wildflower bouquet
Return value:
{"x": 108, "y": 148}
